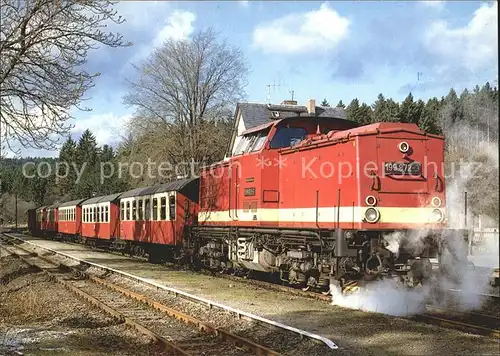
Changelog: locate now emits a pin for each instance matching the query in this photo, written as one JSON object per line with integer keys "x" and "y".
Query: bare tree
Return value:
{"x": 185, "y": 93}
{"x": 43, "y": 47}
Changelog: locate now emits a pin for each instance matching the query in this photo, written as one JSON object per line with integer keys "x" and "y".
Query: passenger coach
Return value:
{"x": 70, "y": 218}
{"x": 156, "y": 216}
{"x": 100, "y": 219}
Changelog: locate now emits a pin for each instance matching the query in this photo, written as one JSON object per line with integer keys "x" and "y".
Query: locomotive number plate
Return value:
{"x": 403, "y": 168}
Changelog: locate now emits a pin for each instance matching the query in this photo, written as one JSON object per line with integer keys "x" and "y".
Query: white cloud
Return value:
{"x": 179, "y": 26}
{"x": 437, "y": 4}
{"x": 474, "y": 46}
{"x": 317, "y": 30}
{"x": 107, "y": 127}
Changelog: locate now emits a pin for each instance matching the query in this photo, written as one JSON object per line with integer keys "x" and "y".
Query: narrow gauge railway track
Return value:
{"x": 178, "y": 333}
{"x": 211, "y": 304}
{"x": 473, "y": 323}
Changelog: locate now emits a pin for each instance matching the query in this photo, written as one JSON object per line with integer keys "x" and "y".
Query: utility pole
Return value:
{"x": 16, "y": 208}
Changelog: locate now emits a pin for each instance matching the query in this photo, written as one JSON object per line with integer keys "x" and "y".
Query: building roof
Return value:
{"x": 258, "y": 115}
{"x": 255, "y": 114}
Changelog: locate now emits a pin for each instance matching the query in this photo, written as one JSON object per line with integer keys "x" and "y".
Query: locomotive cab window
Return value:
{"x": 171, "y": 207}
{"x": 288, "y": 136}
{"x": 260, "y": 138}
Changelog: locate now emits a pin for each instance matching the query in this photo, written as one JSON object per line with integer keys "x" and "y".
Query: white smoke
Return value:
{"x": 390, "y": 297}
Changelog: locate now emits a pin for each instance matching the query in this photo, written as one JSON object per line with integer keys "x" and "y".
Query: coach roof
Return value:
{"x": 102, "y": 199}
{"x": 176, "y": 185}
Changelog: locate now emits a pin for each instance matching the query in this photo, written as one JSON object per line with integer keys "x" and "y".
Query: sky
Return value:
{"x": 338, "y": 50}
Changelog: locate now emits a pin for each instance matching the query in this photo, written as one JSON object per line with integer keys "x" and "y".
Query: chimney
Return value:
{"x": 311, "y": 107}
{"x": 289, "y": 102}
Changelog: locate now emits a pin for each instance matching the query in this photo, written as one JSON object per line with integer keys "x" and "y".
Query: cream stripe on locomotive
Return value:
{"x": 325, "y": 215}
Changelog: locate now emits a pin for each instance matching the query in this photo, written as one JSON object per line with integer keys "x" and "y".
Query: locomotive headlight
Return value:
{"x": 372, "y": 215}
{"x": 437, "y": 215}
{"x": 436, "y": 202}
{"x": 371, "y": 200}
{"x": 404, "y": 147}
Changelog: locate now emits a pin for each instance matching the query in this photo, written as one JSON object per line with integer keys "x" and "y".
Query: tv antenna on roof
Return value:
{"x": 292, "y": 92}
{"x": 269, "y": 90}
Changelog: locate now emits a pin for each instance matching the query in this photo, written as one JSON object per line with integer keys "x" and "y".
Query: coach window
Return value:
{"x": 134, "y": 210}
{"x": 106, "y": 218}
{"x": 122, "y": 211}
{"x": 94, "y": 215}
{"x": 155, "y": 208}
{"x": 163, "y": 208}
{"x": 140, "y": 210}
{"x": 127, "y": 210}
{"x": 147, "y": 210}
{"x": 103, "y": 218}
{"x": 171, "y": 207}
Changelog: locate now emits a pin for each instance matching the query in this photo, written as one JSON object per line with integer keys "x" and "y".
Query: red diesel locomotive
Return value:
{"x": 303, "y": 193}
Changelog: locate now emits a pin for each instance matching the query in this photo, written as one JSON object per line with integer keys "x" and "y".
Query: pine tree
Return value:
{"x": 365, "y": 114}
{"x": 340, "y": 104}
{"x": 392, "y": 110}
{"x": 430, "y": 113}
{"x": 410, "y": 111}
{"x": 87, "y": 154}
{"x": 325, "y": 103}
{"x": 352, "y": 110}
{"x": 452, "y": 107}
{"x": 67, "y": 172}
{"x": 380, "y": 109}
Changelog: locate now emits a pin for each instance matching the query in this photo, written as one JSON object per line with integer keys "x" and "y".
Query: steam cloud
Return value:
{"x": 388, "y": 296}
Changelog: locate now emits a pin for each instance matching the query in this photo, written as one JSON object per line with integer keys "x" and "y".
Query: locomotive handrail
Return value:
{"x": 209, "y": 302}
{"x": 230, "y": 187}
{"x": 236, "y": 190}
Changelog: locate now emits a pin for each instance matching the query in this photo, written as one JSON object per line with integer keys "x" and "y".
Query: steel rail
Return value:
{"x": 177, "y": 292}
{"x": 234, "y": 339}
{"x": 455, "y": 324}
